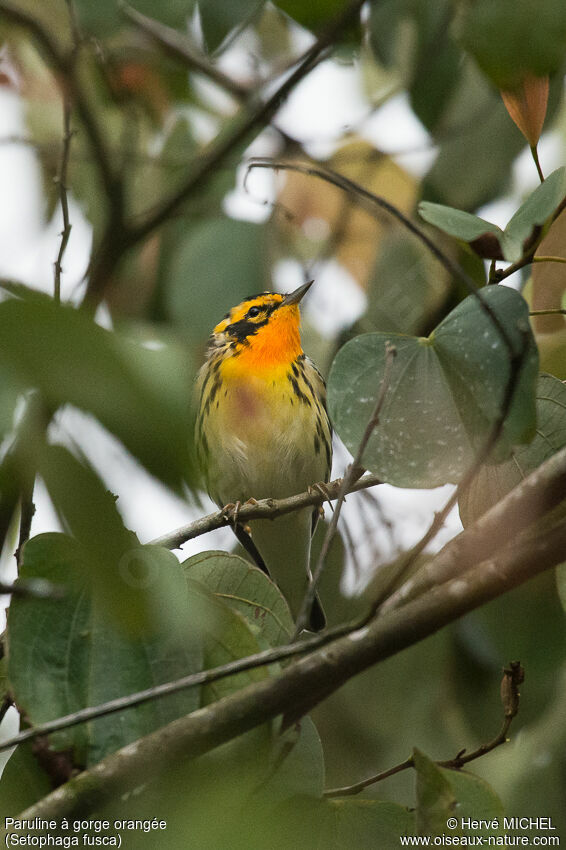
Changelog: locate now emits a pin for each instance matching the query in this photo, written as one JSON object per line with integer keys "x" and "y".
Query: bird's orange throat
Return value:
{"x": 270, "y": 350}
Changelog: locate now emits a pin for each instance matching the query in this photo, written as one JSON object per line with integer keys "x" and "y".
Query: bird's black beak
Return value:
{"x": 295, "y": 297}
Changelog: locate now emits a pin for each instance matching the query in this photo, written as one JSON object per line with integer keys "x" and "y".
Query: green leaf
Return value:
{"x": 23, "y": 782}
{"x": 247, "y": 590}
{"x": 218, "y": 18}
{"x": 436, "y": 801}
{"x": 406, "y": 287}
{"x": 216, "y": 265}
{"x": 336, "y": 824}
{"x": 297, "y": 764}
{"x": 64, "y": 654}
{"x": 476, "y": 137}
{"x": 312, "y": 15}
{"x": 104, "y": 17}
{"x": 137, "y": 394}
{"x": 494, "y": 481}
{"x": 509, "y": 39}
{"x": 457, "y": 223}
{"x": 226, "y": 637}
{"x": 445, "y": 392}
{"x": 536, "y": 210}
{"x": 476, "y": 801}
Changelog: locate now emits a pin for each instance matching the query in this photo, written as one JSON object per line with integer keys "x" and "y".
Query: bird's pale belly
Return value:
{"x": 258, "y": 446}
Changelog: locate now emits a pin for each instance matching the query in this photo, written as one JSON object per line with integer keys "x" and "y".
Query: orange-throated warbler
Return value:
{"x": 262, "y": 431}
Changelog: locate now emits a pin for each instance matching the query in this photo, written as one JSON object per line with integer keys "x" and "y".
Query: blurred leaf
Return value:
{"x": 477, "y": 801}
{"x": 416, "y": 37}
{"x": 313, "y": 15}
{"x": 23, "y": 782}
{"x": 245, "y": 589}
{"x": 65, "y": 654}
{"x": 337, "y": 824}
{"x": 436, "y": 801}
{"x": 216, "y": 265}
{"x": 218, "y": 18}
{"x": 406, "y": 287}
{"x": 139, "y": 395}
{"x": 475, "y": 129}
{"x": 297, "y": 764}
{"x": 443, "y": 399}
{"x": 509, "y": 39}
{"x": 226, "y": 636}
{"x": 457, "y": 223}
{"x": 104, "y": 17}
{"x": 494, "y": 481}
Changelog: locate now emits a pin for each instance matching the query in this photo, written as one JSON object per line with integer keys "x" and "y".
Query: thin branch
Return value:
{"x": 513, "y": 676}
{"x": 353, "y": 473}
{"x": 33, "y": 588}
{"x": 263, "y": 509}
{"x": 303, "y": 683}
{"x": 557, "y": 311}
{"x": 61, "y": 179}
{"x": 178, "y": 46}
{"x": 542, "y": 259}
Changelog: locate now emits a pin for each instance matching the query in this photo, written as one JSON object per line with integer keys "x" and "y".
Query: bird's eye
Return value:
{"x": 253, "y": 312}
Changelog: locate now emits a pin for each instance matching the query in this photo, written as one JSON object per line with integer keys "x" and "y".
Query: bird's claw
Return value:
{"x": 232, "y": 511}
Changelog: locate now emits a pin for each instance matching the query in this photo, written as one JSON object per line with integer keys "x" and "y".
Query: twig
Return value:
{"x": 179, "y": 47}
{"x": 556, "y": 311}
{"x": 534, "y": 153}
{"x": 353, "y": 473}
{"x": 263, "y": 509}
{"x": 541, "y": 259}
{"x": 61, "y": 179}
{"x": 33, "y": 588}
{"x": 513, "y": 676}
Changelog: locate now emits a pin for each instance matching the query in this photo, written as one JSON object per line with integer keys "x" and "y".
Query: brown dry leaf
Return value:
{"x": 527, "y": 106}
{"x": 354, "y": 234}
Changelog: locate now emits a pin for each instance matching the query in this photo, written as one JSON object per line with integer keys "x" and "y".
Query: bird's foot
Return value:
{"x": 323, "y": 490}
{"x": 232, "y": 511}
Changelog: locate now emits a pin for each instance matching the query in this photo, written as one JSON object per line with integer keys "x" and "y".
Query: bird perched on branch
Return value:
{"x": 262, "y": 431}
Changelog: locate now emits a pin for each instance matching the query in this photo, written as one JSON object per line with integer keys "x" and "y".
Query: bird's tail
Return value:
{"x": 285, "y": 544}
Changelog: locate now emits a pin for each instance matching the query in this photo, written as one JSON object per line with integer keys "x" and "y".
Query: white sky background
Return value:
{"x": 28, "y": 248}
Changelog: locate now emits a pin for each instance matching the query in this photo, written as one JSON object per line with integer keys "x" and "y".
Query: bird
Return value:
{"x": 262, "y": 431}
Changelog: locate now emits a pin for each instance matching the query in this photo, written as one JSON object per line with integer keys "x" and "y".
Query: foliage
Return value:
{"x": 158, "y": 141}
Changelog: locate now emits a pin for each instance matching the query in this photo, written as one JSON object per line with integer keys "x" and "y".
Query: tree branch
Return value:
{"x": 263, "y": 509}
{"x": 306, "y": 682}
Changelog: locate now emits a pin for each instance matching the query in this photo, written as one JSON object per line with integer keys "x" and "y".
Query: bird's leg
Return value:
{"x": 322, "y": 488}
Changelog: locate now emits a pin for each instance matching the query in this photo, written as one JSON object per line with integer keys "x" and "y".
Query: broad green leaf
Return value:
{"x": 297, "y": 764}
{"x": 23, "y": 782}
{"x": 121, "y": 572}
{"x": 457, "y": 223}
{"x": 476, "y": 801}
{"x": 226, "y": 637}
{"x": 139, "y": 395}
{"x": 104, "y": 17}
{"x": 338, "y": 823}
{"x": 219, "y": 19}
{"x": 510, "y": 38}
{"x": 64, "y": 654}
{"x": 216, "y": 265}
{"x": 406, "y": 287}
{"x": 445, "y": 392}
{"x": 416, "y": 38}
{"x": 476, "y": 137}
{"x": 313, "y": 15}
{"x": 538, "y": 207}
{"x": 246, "y": 589}
{"x": 494, "y": 481}
{"x": 436, "y": 801}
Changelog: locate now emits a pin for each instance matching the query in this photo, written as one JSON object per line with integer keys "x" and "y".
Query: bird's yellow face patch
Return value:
{"x": 260, "y": 332}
